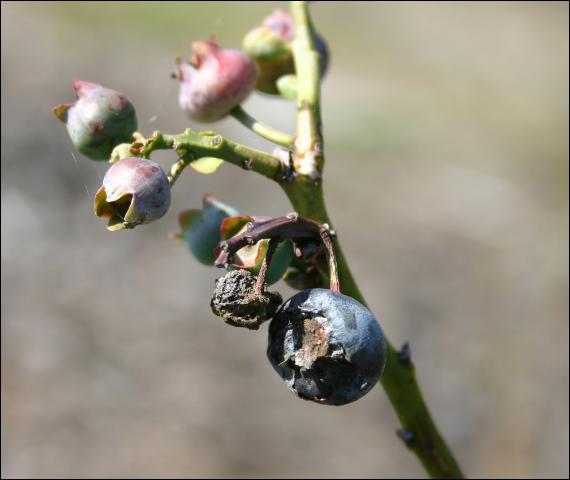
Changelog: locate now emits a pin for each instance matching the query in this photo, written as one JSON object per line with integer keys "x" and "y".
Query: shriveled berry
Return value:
{"x": 134, "y": 191}
{"x": 327, "y": 347}
{"x": 236, "y": 300}
{"x": 98, "y": 120}
{"x": 214, "y": 81}
{"x": 270, "y": 45}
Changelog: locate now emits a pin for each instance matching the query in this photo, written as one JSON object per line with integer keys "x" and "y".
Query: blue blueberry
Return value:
{"x": 327, "y": 347}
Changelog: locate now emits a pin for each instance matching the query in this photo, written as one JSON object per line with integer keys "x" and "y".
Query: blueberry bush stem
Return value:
{"x": 419, "y": 432}
{"x": 261, "y": 129}
{"x": 192, "y": 145}
{"x": 177, "y": 168}
{"x": 260, "y": 284}
{"x": 137, "y": 191}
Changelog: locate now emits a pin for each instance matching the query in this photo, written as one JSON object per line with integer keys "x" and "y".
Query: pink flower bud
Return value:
{"x": 214, "y": 81}
{"x": 98, "y": 120}
{"x": 134, "y": 191}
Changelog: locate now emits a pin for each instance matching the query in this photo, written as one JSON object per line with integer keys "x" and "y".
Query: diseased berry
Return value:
{"x": 270, "y": 45}
{"x": 98, "y": 120}
{"x": 236, "y": 300}
{"x": 134, "y": 191}
{"x": 214, "y": 81}
{"x": 327, "y": 347}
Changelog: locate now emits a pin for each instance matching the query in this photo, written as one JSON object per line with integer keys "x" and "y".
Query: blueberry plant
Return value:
{"x": 323, "y": 342}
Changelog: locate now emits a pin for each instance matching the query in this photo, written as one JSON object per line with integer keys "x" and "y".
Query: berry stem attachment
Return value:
{"x": 327, "y": 238}
{"x": 260, "y": 284}
{"x": 177, "y": 168}
{"x": 261, "y": 129}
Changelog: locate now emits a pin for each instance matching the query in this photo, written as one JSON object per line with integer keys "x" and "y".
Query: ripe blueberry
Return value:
{"x": 240, "y": 304}
{"x": 214, "y": 81}
{"x": 98, "y": 120}
{"x": 327, "y": 347}
{"x": 134, "y": 191}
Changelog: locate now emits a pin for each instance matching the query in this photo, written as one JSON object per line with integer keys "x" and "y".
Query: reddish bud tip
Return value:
{"x": 82, "y": 88}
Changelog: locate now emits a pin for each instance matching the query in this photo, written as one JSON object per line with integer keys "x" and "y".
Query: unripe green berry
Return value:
{"x": 98, "y": 120}
{"x": 270, "y": 45}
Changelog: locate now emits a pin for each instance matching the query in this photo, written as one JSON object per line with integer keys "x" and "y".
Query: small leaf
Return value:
{"x": 206, "y": 165}
{"x": 251, "y": 258}
{"x": 186, "y": 218}
{"x": 231, "y": 226}
{"x": 201, "y": 228}
{"x": 279, "y": 262}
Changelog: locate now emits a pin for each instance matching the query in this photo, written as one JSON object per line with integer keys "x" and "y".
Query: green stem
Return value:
{"x": 399, "y": 379}
{"x": 195, "y": 145}
{"x": 177, "y": 168}
{"x": 419, "y": 432}
{"x": 263, "y": 130}
{"x": 308, "y": 156}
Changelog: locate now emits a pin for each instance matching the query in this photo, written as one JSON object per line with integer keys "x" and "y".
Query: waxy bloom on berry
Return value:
{"x": 98, "y": 120}
{"x": 214, "y": 81}
{"x": 135, "y": 191}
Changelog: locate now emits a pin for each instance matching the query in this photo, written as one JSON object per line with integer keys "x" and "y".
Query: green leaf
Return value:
{"x": 206, "y": 165}
{"x": 233, "y": 225}
{"x": 201, "y": 228}
{"x": 279, "y": 262}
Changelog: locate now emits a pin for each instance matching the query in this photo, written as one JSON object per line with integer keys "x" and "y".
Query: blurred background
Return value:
{"x": 446, "y": 131}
